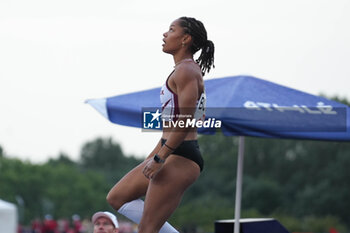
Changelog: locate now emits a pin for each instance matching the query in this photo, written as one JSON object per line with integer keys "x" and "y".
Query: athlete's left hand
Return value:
{"x": 152, "y": 168}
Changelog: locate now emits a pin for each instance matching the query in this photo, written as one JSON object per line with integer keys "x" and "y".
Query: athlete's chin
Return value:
{"x": 167, "y": 51}
{"x": 164, "y": 50}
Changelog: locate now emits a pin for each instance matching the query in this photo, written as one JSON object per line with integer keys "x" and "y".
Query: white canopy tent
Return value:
{"x": 8, "y": 217}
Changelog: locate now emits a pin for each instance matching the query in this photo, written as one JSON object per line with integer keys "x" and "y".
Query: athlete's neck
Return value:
{"x": 184, "y": 60}
{"x": 178, "y": 58}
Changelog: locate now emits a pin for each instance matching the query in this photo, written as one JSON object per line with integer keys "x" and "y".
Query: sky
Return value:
{"x": 56, "y": 54}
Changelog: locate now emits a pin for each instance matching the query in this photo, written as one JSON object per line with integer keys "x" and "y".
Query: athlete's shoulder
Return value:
{"x": 187, "y": 72}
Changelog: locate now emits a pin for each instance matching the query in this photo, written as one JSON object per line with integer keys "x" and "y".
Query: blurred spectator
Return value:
{"x": 49, "y": 225}
{"x": 77, "y": 225}
{"x": 63, "y": 226}
{"x": 37, "y": 226}
{"x": 105, "y": 222}
{"x": 87, "y": 226}
{"x": 19, "y": 228}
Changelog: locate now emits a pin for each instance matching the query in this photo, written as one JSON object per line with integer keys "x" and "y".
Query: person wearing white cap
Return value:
{"x": 105, "y": 222}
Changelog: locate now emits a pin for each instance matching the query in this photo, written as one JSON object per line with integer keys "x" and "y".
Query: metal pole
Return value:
{"x": 239, "y": 183}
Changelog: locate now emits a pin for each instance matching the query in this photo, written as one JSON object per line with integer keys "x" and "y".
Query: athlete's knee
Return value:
{"x": 114, "y": 201}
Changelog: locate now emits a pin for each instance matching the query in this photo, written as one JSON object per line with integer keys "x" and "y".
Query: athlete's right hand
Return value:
{"x": 151, "y": 168}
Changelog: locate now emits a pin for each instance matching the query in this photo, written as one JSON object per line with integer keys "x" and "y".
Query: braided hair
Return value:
{"x": 196, "y": 29}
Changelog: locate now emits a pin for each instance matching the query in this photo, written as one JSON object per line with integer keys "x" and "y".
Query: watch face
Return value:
{"x": 158, "y": 159}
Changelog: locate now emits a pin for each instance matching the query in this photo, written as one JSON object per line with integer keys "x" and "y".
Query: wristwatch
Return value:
{"x": 158, "y": 159}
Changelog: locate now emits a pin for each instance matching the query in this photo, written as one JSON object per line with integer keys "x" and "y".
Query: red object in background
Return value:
{"x": 77, "y": 226}
{"x": 49, "y": 225}
{"x": 19, "y": 228}
{"x": 333, "y": 230}
{"x": 36, "y": 226}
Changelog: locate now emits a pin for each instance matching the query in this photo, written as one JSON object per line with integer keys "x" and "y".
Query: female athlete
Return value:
{"x": 176, "y": 162}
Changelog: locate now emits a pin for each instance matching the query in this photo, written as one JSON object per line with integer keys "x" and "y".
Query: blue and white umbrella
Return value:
{"x": 246, "y": 106}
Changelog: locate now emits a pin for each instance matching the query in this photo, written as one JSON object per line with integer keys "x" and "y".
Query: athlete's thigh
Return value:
{"x": 132, "y": 186}
{"x": 166, "y": 189}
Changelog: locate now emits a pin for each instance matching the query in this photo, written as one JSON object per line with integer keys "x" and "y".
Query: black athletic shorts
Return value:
{"x": 190, "y": 150}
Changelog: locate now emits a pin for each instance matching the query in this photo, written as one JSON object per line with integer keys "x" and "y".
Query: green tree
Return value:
{"x": 63, "y": 158}
{"x": 262, "y": 194}
{"x": 1, "y": 152}
{"x": 293, "y": 177}
{"x": 339, "y": 99}
{"x": 74, "y": 192}
{"x": 24, "y": 181}
{"x": 106, "y": 156}
{"x": 52, "y": 188}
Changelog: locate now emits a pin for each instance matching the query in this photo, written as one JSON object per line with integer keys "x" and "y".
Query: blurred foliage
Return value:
{"x": 52, "y": 188}
{"x": 302, "y": 183}
{"x": 106, "y": 156}
{"x": 342, "y": 100}
{"x": 282, "y": 178}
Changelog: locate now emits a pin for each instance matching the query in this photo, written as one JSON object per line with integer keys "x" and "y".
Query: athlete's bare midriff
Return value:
{"x": 192, "y": 134}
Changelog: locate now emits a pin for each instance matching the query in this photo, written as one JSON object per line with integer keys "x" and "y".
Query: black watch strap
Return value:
{"x": 158, "y": 159}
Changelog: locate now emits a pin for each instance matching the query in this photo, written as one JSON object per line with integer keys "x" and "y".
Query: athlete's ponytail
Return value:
{"x": 206, "y": 59}
{"x": 199, "y": 36}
